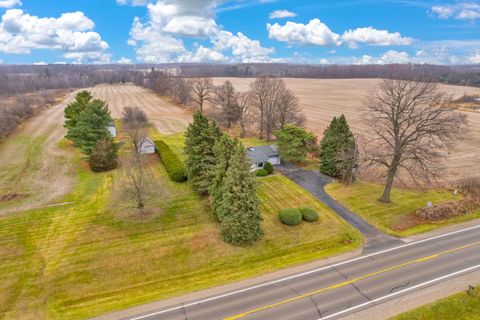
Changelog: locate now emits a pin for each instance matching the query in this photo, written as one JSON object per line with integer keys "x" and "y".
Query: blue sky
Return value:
{"x": 294, "y": 31}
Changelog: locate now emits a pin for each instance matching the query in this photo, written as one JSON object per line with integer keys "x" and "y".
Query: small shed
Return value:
{"x": 146, "y": 146}
{"x": 111, "y": 129}
{"x": 262, "y": 154}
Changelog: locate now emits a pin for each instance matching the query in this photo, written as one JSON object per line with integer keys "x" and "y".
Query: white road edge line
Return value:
{"x": 400, "y": 292}
{"x": 302, "y": 274}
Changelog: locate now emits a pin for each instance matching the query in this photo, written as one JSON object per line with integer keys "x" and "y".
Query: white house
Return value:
{"x": 146, "y": 146}
{"x": 111, "y": 129}
{"x": 262, "y": 154}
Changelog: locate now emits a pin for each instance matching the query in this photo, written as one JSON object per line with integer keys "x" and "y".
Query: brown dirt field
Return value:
{"x": 166, "y": 117}
{"x": 322, "y": 99}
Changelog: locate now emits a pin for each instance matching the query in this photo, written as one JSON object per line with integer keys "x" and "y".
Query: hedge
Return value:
{"x": 309, "y": 214}
{"x": 174, "y": 166}
{"x": 290, "y": 217}
{"x": 268, "y": 167}
{"x": 261, "y": 173}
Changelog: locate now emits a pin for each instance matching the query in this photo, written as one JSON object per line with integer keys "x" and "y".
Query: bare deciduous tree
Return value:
{"x": 180, "y": 90}
{"x": 288, "y": 109}
{"x": 411, "y": 125}
{"x": 277, "y": 105}
{"x": 202, "y": 89}
{"x": 135, "y": 122}
{"x": 225, "y": 97}
{"x": 245, "y": 110}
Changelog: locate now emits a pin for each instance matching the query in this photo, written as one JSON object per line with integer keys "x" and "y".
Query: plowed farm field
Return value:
{"x": 322, "y": 99}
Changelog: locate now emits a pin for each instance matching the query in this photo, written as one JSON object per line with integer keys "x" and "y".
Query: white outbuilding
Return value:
{"x": 146, "y": 146}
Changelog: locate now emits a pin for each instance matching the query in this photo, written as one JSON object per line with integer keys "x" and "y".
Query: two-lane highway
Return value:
{"x": 339, "y": 289}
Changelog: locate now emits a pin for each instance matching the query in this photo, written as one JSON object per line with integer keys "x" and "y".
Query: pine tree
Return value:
{"x": 82, "y": 100}
{"x": 239, "y": 206}
{"x": 294, "y": 143}
{"x": 104, "y": 155}
{"x": 223, "y": 151}
{"x": 200, "y": 139}
{"x": 337, "y": 138}
{"x": 91, "y": 126}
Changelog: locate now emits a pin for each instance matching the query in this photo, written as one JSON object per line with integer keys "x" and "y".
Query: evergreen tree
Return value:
{"x": 200, "y": 139}
{"x": 82, "y": 100}
{"x": 336, "y": 139}
{"x": 104, "y": 155}
{"x": 239, "y": 206}
{"x": 91, "y": 126}
{"x": 294, "y": 143}
{"x": 223, "y": 151}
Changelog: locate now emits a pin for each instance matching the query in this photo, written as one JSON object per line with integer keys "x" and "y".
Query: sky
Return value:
{"x": 236, "y": 31}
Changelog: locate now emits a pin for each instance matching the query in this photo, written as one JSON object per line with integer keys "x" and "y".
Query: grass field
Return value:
{"x": 89, "y": 257}
{"x": 395, "y": 218}
{"x": 461, "y": 306}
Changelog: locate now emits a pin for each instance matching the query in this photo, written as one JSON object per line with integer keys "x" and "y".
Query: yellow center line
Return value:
{"x": 338, "y": 285}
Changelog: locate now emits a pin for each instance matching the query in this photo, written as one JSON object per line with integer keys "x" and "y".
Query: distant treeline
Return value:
{"x": 28, "y": 78}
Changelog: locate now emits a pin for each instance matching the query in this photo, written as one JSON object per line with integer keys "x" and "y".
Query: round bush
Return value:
{"x": 261, "y": 173}
{"x": 268, "y": 167}
{"x": 290, "y": 217}
{"x": 309, "y": 214}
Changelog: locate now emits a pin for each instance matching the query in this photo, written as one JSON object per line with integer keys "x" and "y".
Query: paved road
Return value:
{"x": 314, "y": 182}
{"x": 342, "y": 288}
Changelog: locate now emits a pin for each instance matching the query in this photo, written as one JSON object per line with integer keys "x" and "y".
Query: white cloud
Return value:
{"x": 392, "y": 56}
{"x": 10, "y": 3}
{"x": 71, "y": 33}
{"x": 313, "y": 33}
{"x": 124, "y": 60}
{"x": 442, "y": 12}
{"x": 40, "y": 63}
{"x": 280, "y": 14}
{"x": 461, "y": 10}
{"x": 372, "y": 36}
{"x": 132, "y": 2}
{"x": 160, "y": 38}
{"x": 243, "y": 48}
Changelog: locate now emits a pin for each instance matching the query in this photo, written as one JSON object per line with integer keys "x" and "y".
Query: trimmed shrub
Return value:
{"x": 309, "y": 214}
{"x": 290, "y": 217}
{"x": 174, "y": 166}
{"x": 268, "y": 167}
{"x": 261, "y": 173}
{"x": 104, "y": 156}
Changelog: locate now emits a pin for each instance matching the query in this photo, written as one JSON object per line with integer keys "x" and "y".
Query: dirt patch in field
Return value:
{"x": 322, "y": 99}
{"x": 12, "y": 196}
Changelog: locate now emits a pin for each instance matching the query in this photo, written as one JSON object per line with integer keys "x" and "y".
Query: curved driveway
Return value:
{"x": 314, "y": 182}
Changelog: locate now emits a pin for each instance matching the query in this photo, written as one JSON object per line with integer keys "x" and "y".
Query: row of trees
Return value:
{"x": 218, "y": 166}
{"x": 16, "y": 108}
{"x": 268, "y": 105}
{"x": 86, "y": 120}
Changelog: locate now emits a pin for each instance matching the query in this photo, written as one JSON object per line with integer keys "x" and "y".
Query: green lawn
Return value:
{"x": 395, "y": 218}
{"x": 457, "y": 307}
{"x": 96, "y": 255}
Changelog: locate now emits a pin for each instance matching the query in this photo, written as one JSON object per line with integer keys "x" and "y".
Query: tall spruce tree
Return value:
{"x": 91, "y": 126}
{"x": 223, "y": 151}
{"x": 82, "y": 100}
{"x": 239, "y": 206}
{"x": 337, "y": 138}
{"x": 294, "y": 143}
{"x": 200, "y": 160}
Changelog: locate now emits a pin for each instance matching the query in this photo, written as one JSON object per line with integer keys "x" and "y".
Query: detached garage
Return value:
{"x": 262, "y": 154}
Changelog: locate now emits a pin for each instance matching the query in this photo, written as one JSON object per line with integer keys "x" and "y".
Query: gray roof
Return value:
{"x": 146, "y": 142}
{"x": 262, "y": 153}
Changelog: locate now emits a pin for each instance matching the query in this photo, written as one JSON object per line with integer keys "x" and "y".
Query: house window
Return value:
{"x": 260, "y": 165}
